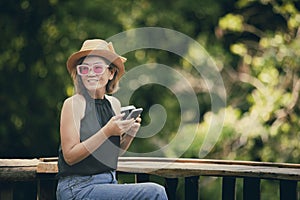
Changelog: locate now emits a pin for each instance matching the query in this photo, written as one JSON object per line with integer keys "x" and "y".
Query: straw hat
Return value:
{"x": 97, "y": 47}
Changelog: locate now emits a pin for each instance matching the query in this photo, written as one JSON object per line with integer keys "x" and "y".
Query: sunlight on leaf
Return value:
{"x": 232, "y": 22}
{"x": 239, "y": 49}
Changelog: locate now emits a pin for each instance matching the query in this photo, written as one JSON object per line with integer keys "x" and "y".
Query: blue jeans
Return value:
{"x": 105, "y": 186}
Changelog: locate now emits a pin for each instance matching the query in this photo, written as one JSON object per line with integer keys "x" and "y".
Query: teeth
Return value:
{"x": 92, "y": 80}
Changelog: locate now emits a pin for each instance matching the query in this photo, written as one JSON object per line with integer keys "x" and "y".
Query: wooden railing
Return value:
{"x": 43, "y": 171}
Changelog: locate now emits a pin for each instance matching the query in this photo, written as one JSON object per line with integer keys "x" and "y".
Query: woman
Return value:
{"x": 92, "y": 130}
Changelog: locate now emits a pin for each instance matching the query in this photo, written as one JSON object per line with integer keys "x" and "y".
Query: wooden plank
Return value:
{"x": 17, "y": 173}
{"x": 228, "y": 188}
{"x": 192, "y": 160}
{"x": 175, "y": 170}
{"x": 171, "y": 168}
{"x": 191, "y": 188}
{"x": 47, "y": 167}
{"x": 288, "y": 190}
{"x": 208, "y": 161}
{"x": 18, "y": 162}
{"x": 18, "y": 169}
{"x": 171, "y": 187}
{"x": 251, "y": 189}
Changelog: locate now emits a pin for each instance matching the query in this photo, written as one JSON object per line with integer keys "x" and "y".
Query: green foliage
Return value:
{"x": 269, "y": 63}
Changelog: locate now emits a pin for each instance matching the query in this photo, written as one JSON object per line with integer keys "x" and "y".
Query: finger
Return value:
{"x": 125, "y": 124}
{"x": 138, "y": 120}
{"x": 134, "y": 129}
{"x": 135, "y": 126}
{"x": 119, "y": 116}
{"x": 128, "y": 121}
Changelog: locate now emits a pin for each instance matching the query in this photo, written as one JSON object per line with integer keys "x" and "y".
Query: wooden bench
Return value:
{"x": 44, "y": 170}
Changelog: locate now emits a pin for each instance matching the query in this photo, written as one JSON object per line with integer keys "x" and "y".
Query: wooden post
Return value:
{"x": 191, "y": 187}
{"x": 171, "y": 187}
{"x": 251, "y": 189}
{"x": 228, "y": 188}
{"x": 288, "y": 190}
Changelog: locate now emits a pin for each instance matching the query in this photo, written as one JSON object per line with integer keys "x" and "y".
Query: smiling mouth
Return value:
{"x": 93, "y": 80}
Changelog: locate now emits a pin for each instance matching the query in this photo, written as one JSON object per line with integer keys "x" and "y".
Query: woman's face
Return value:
{"x": 94, "y": 81}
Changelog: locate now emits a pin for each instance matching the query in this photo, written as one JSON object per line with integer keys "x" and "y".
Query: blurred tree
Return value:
{"x": 28, "y": 102}
{"x": 258, "y": 60}
{"x": 262, "y": 81}
{"x": 255, "y": 45}
{"x": 268, "y": 63}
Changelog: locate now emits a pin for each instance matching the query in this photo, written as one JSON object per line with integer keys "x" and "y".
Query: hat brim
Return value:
{"x": 113, "y": 58}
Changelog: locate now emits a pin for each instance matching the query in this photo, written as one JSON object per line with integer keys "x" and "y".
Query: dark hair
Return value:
{"x": 111, "y": 86}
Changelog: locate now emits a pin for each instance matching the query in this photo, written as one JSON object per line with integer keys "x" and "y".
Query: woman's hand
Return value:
{"x": 135, "y": 127}
{"x": 116, "y": 126}
{"x": 130, "y": 134}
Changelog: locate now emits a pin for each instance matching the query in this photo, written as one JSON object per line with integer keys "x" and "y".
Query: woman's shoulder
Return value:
{"x": 76, "y": 100}
{"x": 112, "y": 98}
{"x": 114, "y": 102}
{"x": 75, "y": 105}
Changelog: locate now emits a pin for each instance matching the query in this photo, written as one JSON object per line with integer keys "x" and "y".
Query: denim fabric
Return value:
{"x": 105, "y": 186}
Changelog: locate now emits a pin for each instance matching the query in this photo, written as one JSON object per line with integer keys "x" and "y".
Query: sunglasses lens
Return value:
{"x": 99, "y": 69}
{"x": 82, "y": 69}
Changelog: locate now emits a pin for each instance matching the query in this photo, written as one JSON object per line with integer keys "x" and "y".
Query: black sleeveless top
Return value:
{"x": 97, "y": 113}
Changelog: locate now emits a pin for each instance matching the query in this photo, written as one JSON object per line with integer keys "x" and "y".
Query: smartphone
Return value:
{"x": 127, "y": 110}
{"x": 134, "y": 113}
